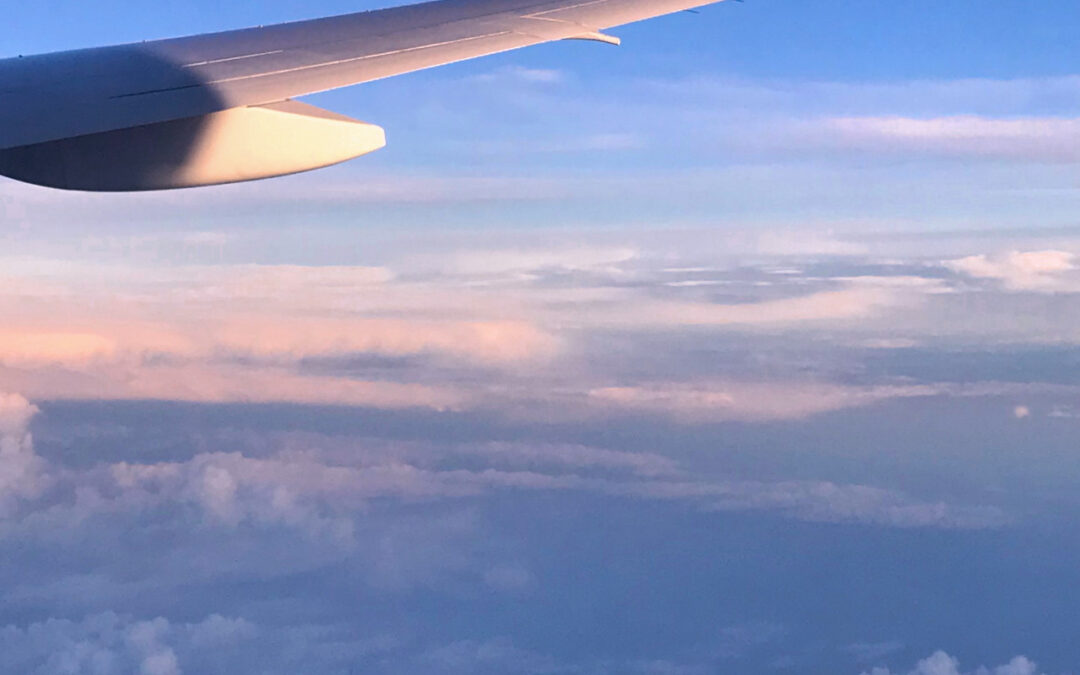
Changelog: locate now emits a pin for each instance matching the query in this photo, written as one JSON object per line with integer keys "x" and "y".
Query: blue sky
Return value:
{"x": 750, "y": 346}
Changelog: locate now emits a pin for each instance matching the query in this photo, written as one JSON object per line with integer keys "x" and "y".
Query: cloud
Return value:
{"x": 321, "y": 492}
{"x": 802, "y": 244}
{"x": 250, "y": 333}
{"x": 499, "y": 655}
{"x": 305, "y": 493}
{"x": 15, "y": 415}
{"x": 571, "y": 457}
{"x": 257, "y": 359}
{"x": 704, "y": 401}
{"x": 940, "y": 663}
{"x": 492, "y": 342}
{"x": 517, "y": 331}
{"x": 1038, "y": 139}
{"x": 749, "y": 401}
{"x": 529, "y": 261}
{"x": 111, "y": 644}
{"x": 824, "y": 306}
{"x": 521, "y": 74}
{"x": 856, "y": 298}
{"x": 1066, "y": 412}
{"x": 451, "y": 330}
{"x": 826, "y": 502}
{"x": 918, "y": 99}
{"x": 230, "y": 383}
{"x": 1022, "y": 271}
{"x": 22, "y": 472}
{"x": 1024, "y": 119}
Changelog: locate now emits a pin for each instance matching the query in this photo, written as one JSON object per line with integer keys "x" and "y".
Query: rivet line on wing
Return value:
{"x": 357, "y": 59}
{"x": 232, "y": 58}
{"x": 540, "y": 15}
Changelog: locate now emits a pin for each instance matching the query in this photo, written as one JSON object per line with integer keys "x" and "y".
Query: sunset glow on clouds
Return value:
{"x": 607, "y": 372}
{"x": 289, "y": 334}
{"x": 750, "y": 347}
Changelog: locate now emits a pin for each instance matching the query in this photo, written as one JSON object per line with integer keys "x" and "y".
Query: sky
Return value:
{"x": 750, "y": 346}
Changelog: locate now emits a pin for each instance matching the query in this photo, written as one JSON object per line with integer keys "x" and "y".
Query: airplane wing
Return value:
{"x": 188, "y": 87}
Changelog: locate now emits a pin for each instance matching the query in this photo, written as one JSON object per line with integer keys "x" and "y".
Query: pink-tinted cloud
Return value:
{"x": 1023, "y": 270}
{"x": 226, "y": 383}
{"x": 22, "y": 472}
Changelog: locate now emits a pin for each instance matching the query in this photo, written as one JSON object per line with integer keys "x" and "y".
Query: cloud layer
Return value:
{"x": 515, "y": 331}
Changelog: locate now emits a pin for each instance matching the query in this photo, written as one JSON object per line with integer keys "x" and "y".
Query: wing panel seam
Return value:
{"x": 314, "y": 66}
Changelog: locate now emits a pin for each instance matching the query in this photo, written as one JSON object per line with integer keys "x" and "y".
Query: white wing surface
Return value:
{"x": 68, "y": 95}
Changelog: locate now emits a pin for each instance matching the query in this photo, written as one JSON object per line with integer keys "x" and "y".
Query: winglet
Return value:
{"x": 597, "y": 36}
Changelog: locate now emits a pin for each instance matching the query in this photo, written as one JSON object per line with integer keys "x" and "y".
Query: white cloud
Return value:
{"x": 1022, "y": 271}
{"x": 303, "y": 492}
{"x": 1064, "y": 412}
{"x": 146, "y": 640}
{"x": 824, "y": 502}
{"x": 571, "y": 457}
{"x": 1040, "y": 139}
{"x": 322, "y": 493}
{"x": 15, "y": 415}
{"x": 111, "y": 644}
{"x": 925, "y": 98}
{"x": 22, "y": 472}
{"x": 531, "y": 260}
{"x": 217, "y": 631}
{"x": 752, "y": 401}
{"x": 856, "y": 301}
{"x": 940, "y": 663}
{"x": 970, "y": 118}
{"x": 521, "y": 74}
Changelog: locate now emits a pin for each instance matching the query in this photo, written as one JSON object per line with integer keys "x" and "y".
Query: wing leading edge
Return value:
{"x": 60, "y": 96}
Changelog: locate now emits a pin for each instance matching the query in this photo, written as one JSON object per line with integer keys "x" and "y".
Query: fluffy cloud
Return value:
{"x": 941, "y": 663}
{"x": 110, "y": 644}
{"x": 22, "y": 472}
{"x": 322, "y": 492}
{"x": 15, "y": 414}
{"x": 1022, "y": 271}
{"x": 320, "y": 499}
